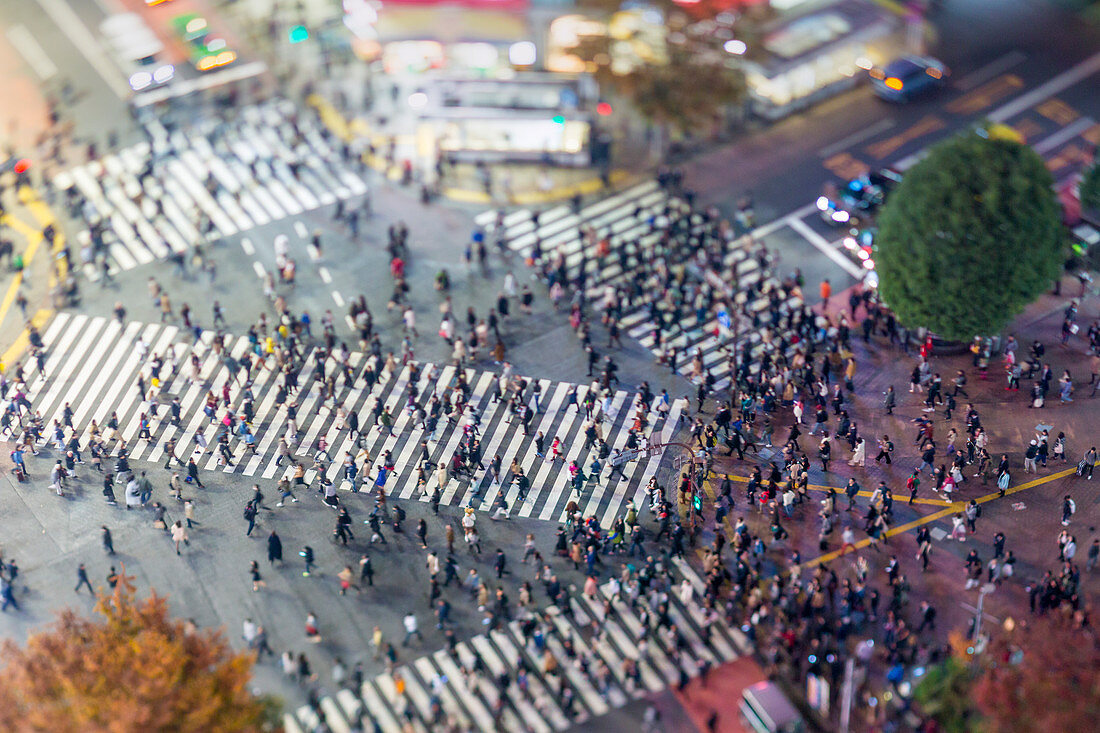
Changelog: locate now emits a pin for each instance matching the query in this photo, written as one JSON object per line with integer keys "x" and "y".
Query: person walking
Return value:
{"x": 257, "y": 579}
{"x": 1069, "y": 508}
{"x": 412, "y": 628}
{"x": 250, "y": 517}
{"x": 108, "y": 543}
{"x": 82, "y": 579}
{"x": 179, "y": 535}
{"x": 274, "y": 548}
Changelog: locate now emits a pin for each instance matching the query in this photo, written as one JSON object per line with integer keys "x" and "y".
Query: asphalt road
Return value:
{"x": 1000, "y": 51}
{"x": 997, "y": 50}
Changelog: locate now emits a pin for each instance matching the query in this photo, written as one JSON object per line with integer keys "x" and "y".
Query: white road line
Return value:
{"x": 71, "y": 25}
{"x": 336, "y": 297}
{"x": 186, "y": 86}
{"x": 1063, "y": 81}
{"x": 1050, "y": 142}
{"x": 35, "y": 56}
{"x": 246, "y": 245}
{"x": 856, "y": 137}
{"x": 326, "y": 276}
{"x": 795, "y": 215}
{"x": 260, "y": 272}
{"x": 826, "y": 248}
{"x": 990, "y": 70}
{"x": 300, "y": 229}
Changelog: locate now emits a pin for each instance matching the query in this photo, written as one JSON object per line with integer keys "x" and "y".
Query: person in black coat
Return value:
{"x": 274, "y": 548}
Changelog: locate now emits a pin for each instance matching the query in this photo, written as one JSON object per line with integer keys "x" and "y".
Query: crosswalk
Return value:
{"x": 236, "y": 176}
{"x": 94, "y": 364}
{"x": 653, "y": 236}
{"x": 592, "y": 674}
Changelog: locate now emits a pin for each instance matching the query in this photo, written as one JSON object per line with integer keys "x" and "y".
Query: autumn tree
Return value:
{"x": 131, "y": 668}
{"x": 1040, "y": 676}
{"x": 685, "y": 79}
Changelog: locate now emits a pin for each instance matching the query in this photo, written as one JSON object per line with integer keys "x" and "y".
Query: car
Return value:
{"x": 137, "y": 51}
{"x": 908, "y": 77}
{"x": 206, "y": 50}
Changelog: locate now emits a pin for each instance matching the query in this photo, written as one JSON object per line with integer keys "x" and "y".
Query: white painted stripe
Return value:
{"x": 35, "y": 56}
{"x": 1066, "y": 134}
{"x": 246, "y": 245}
{"x": 1063, "y": 81}
{"x": 208, "y": 80}
{"x": 326, "y": 276}
{"x": 71, "y": 25}
{"x": 857, "y": 137}
{"x": 990, "y": 70}
{"x": 826, "y": 248}
{"x": 337, "y": 298}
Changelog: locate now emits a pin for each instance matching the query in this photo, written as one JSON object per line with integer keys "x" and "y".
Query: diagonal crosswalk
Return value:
{"x": 211, "y": 181}
{"x": 590, "y": 674}
{"x": 712, "y": 292}
{"x": 95, "y": 364}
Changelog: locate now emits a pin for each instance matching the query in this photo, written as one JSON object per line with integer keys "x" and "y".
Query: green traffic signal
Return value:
{"x": 298, "y": 33}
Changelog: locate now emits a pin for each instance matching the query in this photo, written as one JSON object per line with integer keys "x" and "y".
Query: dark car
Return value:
{"x": 908, "y": 77}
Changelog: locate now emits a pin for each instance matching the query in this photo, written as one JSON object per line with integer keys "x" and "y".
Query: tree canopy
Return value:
{"x": 1044, "y": 675}
{"x": 1039, "y": 675}
{"x": 132, "y": 668}
{"x": 686, "y": 81}
{"x": 971, "y": 236}
{"x": 1090, "y": 187}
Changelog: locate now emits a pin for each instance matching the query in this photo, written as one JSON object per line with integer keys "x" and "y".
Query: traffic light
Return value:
{"x": 21, "y": 166}
{"x": 298, "y": 33}
{"x": 603, "y": 109}
{"x": 559, "y": 119}
{"x": 697, "y": 503}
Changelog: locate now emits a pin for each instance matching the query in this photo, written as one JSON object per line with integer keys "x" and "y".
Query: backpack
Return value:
{"x": 249, "y": 512}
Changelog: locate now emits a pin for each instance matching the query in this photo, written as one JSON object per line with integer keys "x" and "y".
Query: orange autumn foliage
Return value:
{"x": 1043, "y": 676}
{"x": 131, "y": 668}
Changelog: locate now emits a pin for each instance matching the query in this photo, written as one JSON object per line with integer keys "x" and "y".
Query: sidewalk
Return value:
{"x": 1028, "y": 515}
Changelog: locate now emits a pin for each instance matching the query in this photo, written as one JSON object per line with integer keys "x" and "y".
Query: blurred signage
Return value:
{"x": 476, "y": 4}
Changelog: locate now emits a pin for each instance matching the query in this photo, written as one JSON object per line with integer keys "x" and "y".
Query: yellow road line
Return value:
{"x": 957, "y": 507}
{"x": 34, "y": 237}
{"x": 22, "y": 340}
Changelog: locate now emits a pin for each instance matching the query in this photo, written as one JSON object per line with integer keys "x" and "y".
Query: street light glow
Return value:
{"x": 735, "y": 46}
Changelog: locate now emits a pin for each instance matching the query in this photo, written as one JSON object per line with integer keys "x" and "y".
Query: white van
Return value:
{"x": 137, "y": 51}
{"x": 767, "y": 709}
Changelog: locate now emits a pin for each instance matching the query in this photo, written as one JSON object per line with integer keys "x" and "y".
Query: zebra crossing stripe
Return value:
{"x": 94, "y": 363}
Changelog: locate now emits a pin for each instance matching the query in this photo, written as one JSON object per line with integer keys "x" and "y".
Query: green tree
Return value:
{"x": 943, "y": 694}
{"x": 133, "y": 668}
{"x": 1090, "y": 188}
{"x": 971, "y": 236}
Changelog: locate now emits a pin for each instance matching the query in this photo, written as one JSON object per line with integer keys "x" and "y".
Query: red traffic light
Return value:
{"x": 603, "y": 109}
{"x": 21, "y": 165}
